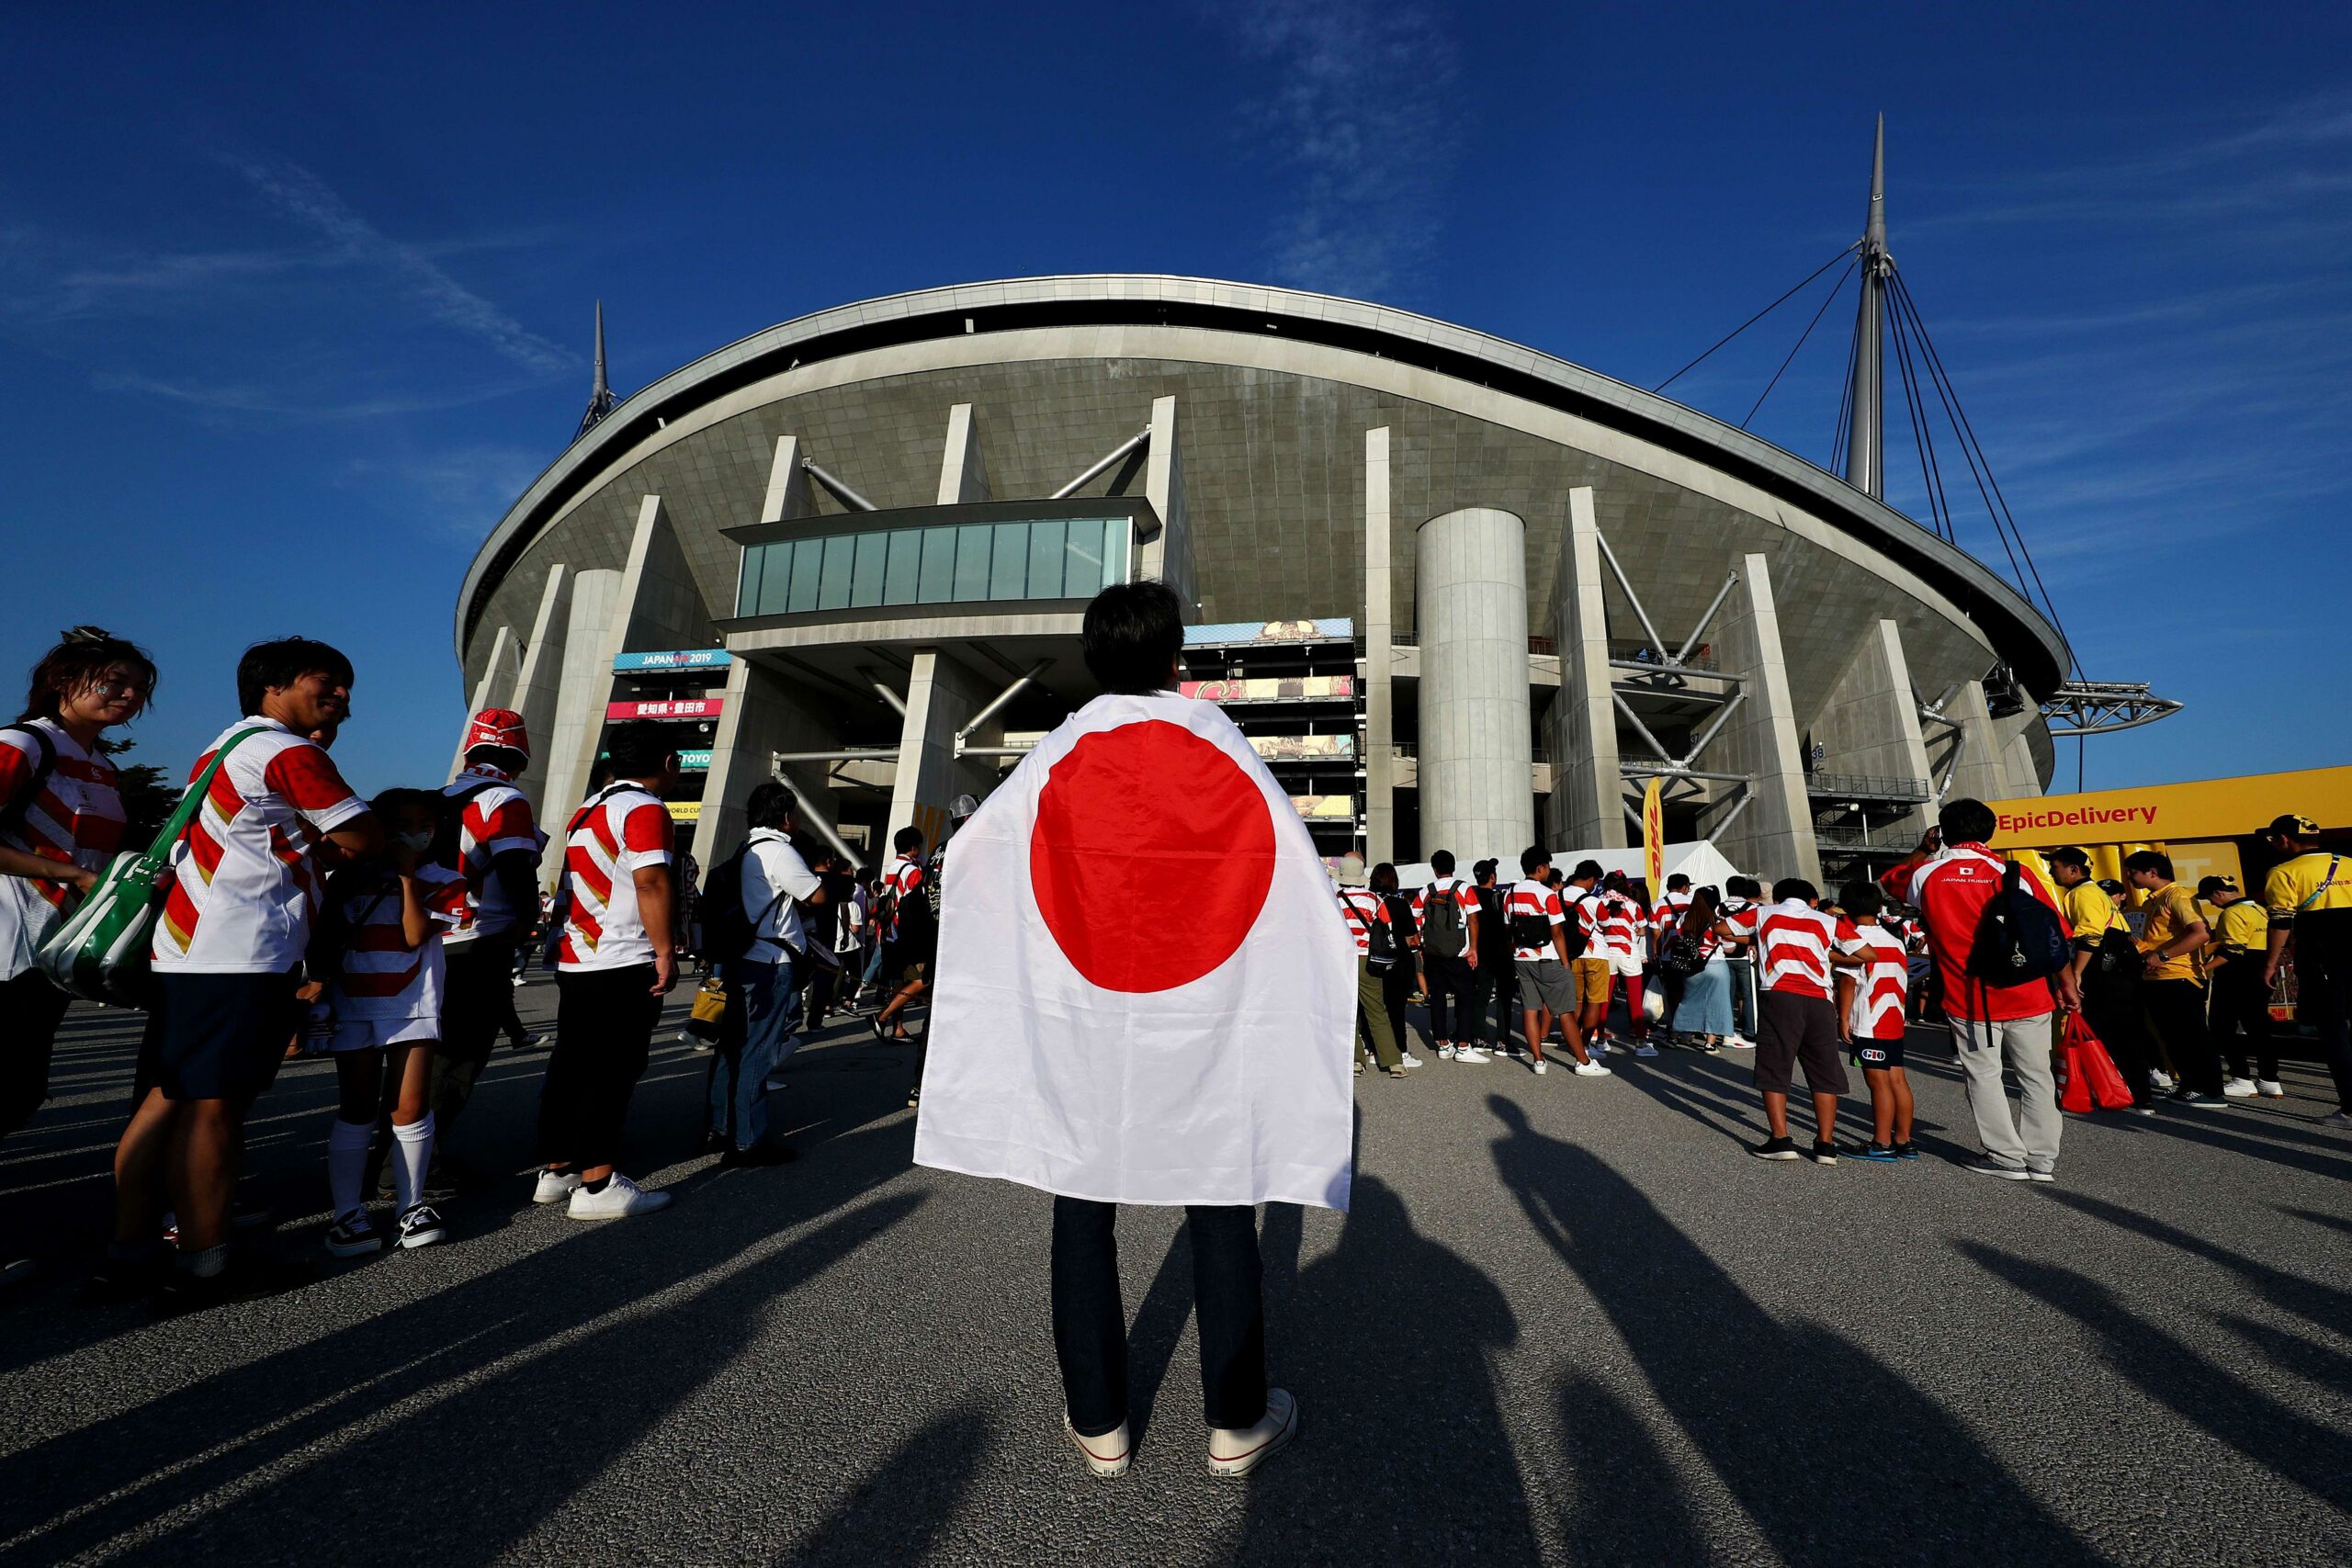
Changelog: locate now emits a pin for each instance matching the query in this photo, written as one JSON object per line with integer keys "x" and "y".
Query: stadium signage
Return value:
{"x": 676, "y": 659}
{"x": 2174, "y": 814}
{"x": 677, "y": 707}
{"x": 1270, "y": 689}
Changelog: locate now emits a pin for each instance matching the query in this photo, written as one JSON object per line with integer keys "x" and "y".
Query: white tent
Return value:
{"x": 1699, "y": 860}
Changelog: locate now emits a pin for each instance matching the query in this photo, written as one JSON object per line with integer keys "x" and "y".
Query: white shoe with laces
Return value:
{"x": 1407, "y": 1061}
{"x": 1238, "y": 1452}
{"x": 555, "y": 1186}
{"x": 2160, "y": 1078}
{"x": 1470, "y": 1054}
{"x": 1593, "y": 1070}
{"x": 619, "y": 1199}
{"x": 2239, "y": 1088}
{"x": 2270, "y": 1088}
{"x": 1107, "y": 1455}
{"x": 1539, "y": 1069}
{"x": 421, "y": 1226}
{"x": 1445, "y": 1052}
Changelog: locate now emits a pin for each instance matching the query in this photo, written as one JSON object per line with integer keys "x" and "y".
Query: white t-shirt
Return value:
{"x": 612, "y": 838}
{"x": 774, "y": 873}
{"x": 76, "y": 817}
{"x": 244, "y": 886}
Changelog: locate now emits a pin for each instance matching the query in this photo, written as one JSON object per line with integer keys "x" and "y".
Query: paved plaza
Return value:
{"x": 1567, "y": 1321}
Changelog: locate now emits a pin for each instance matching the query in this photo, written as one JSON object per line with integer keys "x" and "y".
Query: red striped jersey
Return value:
{"x": 244, "y": 885}
{"x": 902, "y": 882}
{"x": 382, "y": 976}
{"x": 1668, "y": 911}
{"x": 494, "y": 821}
{"x": 1533, "y": 899}
{"x": 1950, "y": 891}
{"x": 611, "y": 838}
{"x": 1617, "y": 922}
{"x": 1363, "y": 908}
{"x": 1463, "y": 895}
{"x": 1792, "y": 945}
{"x": 1879, "y": 986}
{"x": 76, "y": 817}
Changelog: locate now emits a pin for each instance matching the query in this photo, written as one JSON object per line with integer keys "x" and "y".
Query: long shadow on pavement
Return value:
{"x": 2326, "y": 1305}
{"x": 2177, "y": 1373}
{"x": 896, "y": 1512}
{"x": 1777, "y": 1408}
{"x": 1626, "y": 1509}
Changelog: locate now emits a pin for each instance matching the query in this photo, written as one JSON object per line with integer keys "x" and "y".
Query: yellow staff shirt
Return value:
{"x": 2302, "y": 885}
{"x": 2090, "y": 913}
{"x": 2171, "y": 911}
{"x": 2243, "y": 928}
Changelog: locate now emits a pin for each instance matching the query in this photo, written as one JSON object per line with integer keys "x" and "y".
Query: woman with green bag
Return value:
{"x": 60, "y": 822}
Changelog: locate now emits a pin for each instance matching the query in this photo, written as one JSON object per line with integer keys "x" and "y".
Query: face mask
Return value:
{"x": 416, "y": 843}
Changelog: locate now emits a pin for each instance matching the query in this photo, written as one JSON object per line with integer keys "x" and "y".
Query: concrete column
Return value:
{"x": 1870, "y": 723}
{"x": 787, "y": 492}
{"x": 1470, "y": 592}
{"x": 942, "y": 696}
{"x": 1168, "y": 557}
{"x": 502, "y": 652}
{"x": 584, "y": 688}
{"x": 1379, "y": 619}
{"x": 1772, "y": 835}
{"x": 537, "y": 683}
{"x": 2025, "y": 777}
{"x": 1585, "y": 809}
{"x": 963, "y": 475}
{"x": 766, "y": 713}
{"x": 1971, "y": 754}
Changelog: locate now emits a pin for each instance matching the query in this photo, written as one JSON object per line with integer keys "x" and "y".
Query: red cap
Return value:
{"x": 498, "y": 726}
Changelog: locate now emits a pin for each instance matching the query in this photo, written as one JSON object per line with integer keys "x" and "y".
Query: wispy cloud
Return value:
{"x": 235, "y": 398}
{"x": 454, "y": 490}
{"x": 1363, "y": 117}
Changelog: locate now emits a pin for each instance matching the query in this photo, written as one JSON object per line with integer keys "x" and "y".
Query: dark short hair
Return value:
{"x": 506, "y": 758}
{"x": 2068, "y": 854}
{"x": 639, "y": 748}
{"x": 772, "y": 805}
{"x": 1383, "y": 876}
{"x": 1481, "y": 871}
{"x": 2210, "y": 885}
{"x": 1555, "y": 877}
{"x": 1442, "y": 862}
{"x": 1743, "y": 887}
{"x": 906, "y": 840}
{"x": 1584, "y": 868}
{"x": 1861, "y": 900}
{"x": 282, "y": 663}
{"x": 1789, "y": 888}
{"x": 2149, "y": 860}
{"x": 391, "y": 803}
{"x": 1132, "y": 635}
{"x": 81, "y": 656}
{"x": 1676, "y": 883}
{"x": 1531, "y": 861}
{"x": 1967, "y": 821}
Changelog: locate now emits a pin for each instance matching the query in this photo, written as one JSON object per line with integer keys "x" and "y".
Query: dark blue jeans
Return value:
{"x": 755, "y": 1040}
{"x": 1091, "y": 1317}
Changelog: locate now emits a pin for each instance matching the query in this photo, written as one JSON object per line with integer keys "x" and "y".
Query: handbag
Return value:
{"x": 710, "y": 1009}
{"x": 2092, "y": 1081}
{"x": 102, "y": 952}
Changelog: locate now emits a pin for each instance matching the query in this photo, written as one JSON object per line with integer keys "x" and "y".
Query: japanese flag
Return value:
{"x": 1145, "y": 992}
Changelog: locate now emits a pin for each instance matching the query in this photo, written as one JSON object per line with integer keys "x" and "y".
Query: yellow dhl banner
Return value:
{"x": 2210, "y": 808}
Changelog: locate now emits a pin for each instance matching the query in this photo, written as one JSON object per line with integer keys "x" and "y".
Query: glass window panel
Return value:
{"x": 1008, "y": 560}
{"x": 1115, "y": 551}
{"x": 832, "y": 583}
{"x": 972, "y": 562}
{"x": 1046, "y": 541}
{"x": 775, "y": 577}
{"x": 938, "y": 584}
{"x": 900, "y": 578}
{"x": 747, "y": 587}
{"x": 807, "y": 561}
{"x": 866, "y": 576}
{"x": 1082, "y": 562}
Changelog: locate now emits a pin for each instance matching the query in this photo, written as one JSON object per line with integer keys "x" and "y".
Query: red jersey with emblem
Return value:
{"x": 245, "y": 885}
{"x": 1950, "y": 892}
{"x": 496, "y": 820}
{"x": 609, "y": 841}
{"x": 1794, "y": 941}
{"x": 74, "y": 818}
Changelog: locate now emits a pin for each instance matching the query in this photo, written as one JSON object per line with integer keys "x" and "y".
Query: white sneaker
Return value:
{"x": 1109, "y": 1454}
{"x": 1539, "y": 1069}
{"x": 2239, "y": 1088}
{"x": 619, "y": 1199}
{"x": 1593, "y": 1070}
{"x": 1445, "y": 1052}
{"x": 2160, "y": 1078}
{"x": 1408, "y": 1061}
{"x": 1238, "y": 1453}
{"x": 2270, "y": 1088}
{"x": 1470, "y": 1054}
{"x": 555, "y": 1186}
{"x": 1738, "y": 1043}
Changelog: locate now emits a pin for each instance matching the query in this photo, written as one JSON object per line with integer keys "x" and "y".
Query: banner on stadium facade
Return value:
{"x": 2162, "y": 814}
{"x": 1325, "y": 807}
{"x": 676, "y": 659}
{"x": 1270, "y": 689}
{"x": 1235, "y": 634}
{"x": 1303, "y": 748}
{"x": 675, "y": 707}
{"x": 694, "y": 761}
{"x": 685, "y": 810}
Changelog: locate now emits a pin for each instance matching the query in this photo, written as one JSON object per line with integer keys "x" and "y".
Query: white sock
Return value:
{"x": 412, "y": 1151}
{"x": 347, "y": 1164}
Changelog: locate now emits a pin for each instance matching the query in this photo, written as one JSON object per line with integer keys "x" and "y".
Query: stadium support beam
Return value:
{"x": 766, "y": 712}
{"x": 995, "y": 705}
{"x": 585, "y": 687}
{"x": 838, "y": 486}
{"x": 503, "y": 651}
{"x": 537, "y": 685}
{"x": 1866, "y": 435}
{"x": 1586, "y": 780}
{"x": 1775, "y": 836}
{"x": 1870, "y": 725}
{"x": 963, "y": 473}
{"x": 1168, "y": 554}
{"x": 1105, "y": 461}
{"x": 1969, "y": 755}
{"x": 1379, "y": 688}
{"x": 943, "y": 695}
{"x": 787, "y": 492}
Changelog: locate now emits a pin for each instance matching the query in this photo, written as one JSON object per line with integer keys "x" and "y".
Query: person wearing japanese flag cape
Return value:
{"x": 1145, "y": 994}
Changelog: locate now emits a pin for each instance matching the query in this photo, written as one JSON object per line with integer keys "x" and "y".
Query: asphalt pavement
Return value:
{"x": 1567, "y": 1320}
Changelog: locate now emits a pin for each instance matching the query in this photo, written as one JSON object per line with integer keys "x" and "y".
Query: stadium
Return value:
{"x": 1460, "y": 593}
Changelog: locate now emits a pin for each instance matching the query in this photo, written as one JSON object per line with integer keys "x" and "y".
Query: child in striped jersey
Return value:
{"x": 1871, "y": 1013}
{"x": 387, "y": 1000}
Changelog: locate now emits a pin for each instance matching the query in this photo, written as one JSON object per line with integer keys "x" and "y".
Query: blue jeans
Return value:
{"x": 755, "y": 1040}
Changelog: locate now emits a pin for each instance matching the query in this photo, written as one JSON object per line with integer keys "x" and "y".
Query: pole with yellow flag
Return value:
{"x": 1654, "y": 836}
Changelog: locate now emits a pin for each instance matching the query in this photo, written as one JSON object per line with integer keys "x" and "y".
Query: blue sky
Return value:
{"x": 293, "y": 304}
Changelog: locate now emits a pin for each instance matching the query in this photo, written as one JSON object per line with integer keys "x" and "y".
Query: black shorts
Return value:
{"x": 1798, "y": 1029}
{"x": 222, "y": 1037}
{"x": 1872, "y": 1055}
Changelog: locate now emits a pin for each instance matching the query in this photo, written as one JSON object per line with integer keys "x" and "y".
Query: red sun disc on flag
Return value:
{"x": 1151, "y": 856}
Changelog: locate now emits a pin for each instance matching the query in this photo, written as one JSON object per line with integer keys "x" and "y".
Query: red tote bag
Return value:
{"x": 2092, "y": 1082}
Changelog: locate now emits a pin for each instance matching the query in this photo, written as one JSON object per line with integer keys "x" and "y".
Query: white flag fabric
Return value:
{"x": 1144, "y": 991}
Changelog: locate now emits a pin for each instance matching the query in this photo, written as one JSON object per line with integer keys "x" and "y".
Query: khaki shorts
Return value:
{"x": 1593, "y": 976}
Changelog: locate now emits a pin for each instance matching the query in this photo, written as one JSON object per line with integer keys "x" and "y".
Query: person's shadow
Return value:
{"x": 1837, "y": 1458}
{"x": 1402, "y": 1454}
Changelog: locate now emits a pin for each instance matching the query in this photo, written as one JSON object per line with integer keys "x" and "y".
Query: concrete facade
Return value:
{"x": 1475, "y": 748}
{"x": 1379, "y": 693}
{"x": 1773, "y": 831}
{"x": 1585, "y": 810}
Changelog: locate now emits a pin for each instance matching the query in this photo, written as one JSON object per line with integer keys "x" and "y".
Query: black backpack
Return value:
{"x": 2019, "y": 937}
{"x": 728, "y": 927}
{"x": 1678, "y": 954}
{"x": 1443, "y": 935}
{"x": 1380, "y": 949}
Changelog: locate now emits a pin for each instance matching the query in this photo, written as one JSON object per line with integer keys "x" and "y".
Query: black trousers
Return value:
{"x": 477, "y": 1000}
{"x": 2111, "y": 1006}
{"x": 1502, "y": 1005}
{"x": 1091, "y": 1317}
{"x": 2242, "y": 1001}
{"x": 31, "y": 1009}
{"x": 2175, "y": 1011}
{"x": 1452, "y": 984}
{"x": 603, "y": 1031}
{"x": 2323, "y": 981}
{"x": 1395, "y": 988}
